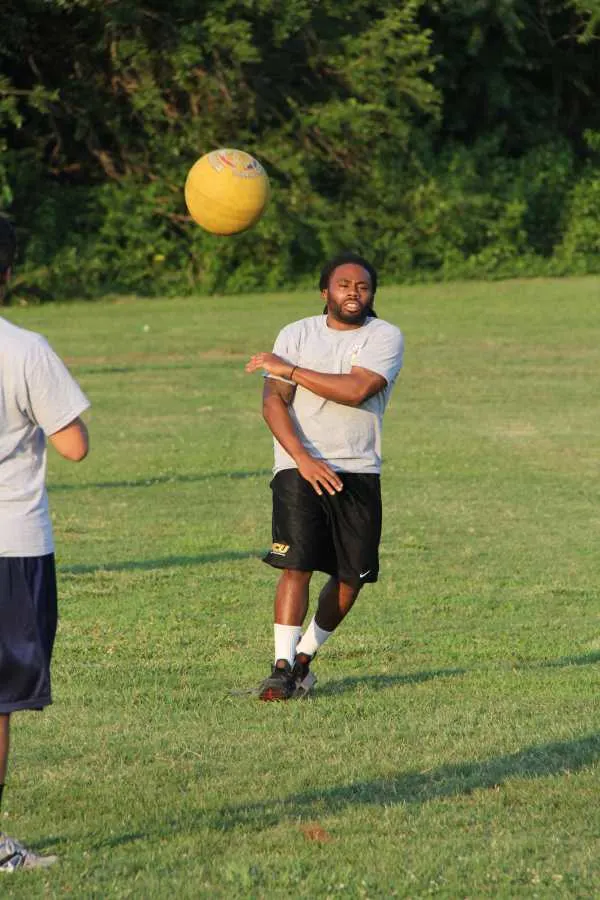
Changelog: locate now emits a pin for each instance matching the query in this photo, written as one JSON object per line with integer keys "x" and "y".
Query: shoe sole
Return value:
{"x": 273, "y": 694}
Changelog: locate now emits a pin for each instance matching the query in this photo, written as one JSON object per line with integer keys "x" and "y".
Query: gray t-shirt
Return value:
{"x": 38, "y": 397}
{"x": 347, "y": 437}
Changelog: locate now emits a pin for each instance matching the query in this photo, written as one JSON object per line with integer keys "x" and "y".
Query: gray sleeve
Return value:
{"x": 382, "y": 353}
{"x": 55, "y": 398}
{"x": 286, "y": 346}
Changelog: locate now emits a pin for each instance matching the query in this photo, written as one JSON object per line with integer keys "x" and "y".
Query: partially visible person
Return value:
{"x": 327, "y": 384}
{"x": 39, "y": 402}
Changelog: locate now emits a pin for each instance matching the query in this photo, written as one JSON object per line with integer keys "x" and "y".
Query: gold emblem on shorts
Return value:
{"x": 280, "y": 549}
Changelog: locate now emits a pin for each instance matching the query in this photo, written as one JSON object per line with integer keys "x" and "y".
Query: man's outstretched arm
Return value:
{"x": 351, "y": 389}
{"x": 277, "y": 396}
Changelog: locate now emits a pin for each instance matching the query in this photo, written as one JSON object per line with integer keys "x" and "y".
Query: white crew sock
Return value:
{"x": 286, "y": 638}
{"x": 313, "y": 638}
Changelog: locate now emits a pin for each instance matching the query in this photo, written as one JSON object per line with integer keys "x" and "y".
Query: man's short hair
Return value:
{"x": 8, "y": 245}
{"x": 341, "y": 260}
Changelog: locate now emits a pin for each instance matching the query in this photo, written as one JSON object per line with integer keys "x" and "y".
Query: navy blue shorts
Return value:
{"x": 336, "y": 534}
{"x": 28, "y": 617}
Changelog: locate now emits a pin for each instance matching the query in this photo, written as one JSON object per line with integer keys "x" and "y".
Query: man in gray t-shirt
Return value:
{"x": 39, "y": 401}
{"x": 328, "y": 382}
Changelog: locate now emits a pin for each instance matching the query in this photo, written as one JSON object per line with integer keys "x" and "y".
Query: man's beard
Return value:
{"x": 337, "y": 311}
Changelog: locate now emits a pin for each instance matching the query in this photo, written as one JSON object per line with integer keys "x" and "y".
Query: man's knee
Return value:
{"x": 349, "y": 591}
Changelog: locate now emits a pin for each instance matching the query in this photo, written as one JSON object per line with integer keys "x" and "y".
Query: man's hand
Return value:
{"x": 271, "y": 363}
{"x": 319, "y": 474}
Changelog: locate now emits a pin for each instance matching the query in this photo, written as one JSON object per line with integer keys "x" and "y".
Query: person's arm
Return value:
{"x": 351, "y": 389}
{"x": 56, "y": 402}
{"x": 277, "y": 396}
{"x": 72, "y": 441}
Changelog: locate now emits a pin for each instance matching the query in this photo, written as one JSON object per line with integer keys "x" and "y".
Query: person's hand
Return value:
{"x": 320, "y": 475}
{"x": 270, "y": 363}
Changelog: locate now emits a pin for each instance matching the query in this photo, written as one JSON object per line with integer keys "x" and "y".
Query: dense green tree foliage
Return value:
{"x": 444, "y": 138}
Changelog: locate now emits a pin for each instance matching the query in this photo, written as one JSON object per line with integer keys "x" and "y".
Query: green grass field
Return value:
{"x": 452, "y": 746}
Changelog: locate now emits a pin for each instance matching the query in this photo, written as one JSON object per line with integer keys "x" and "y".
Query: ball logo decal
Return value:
{"x": 240, "y": 163}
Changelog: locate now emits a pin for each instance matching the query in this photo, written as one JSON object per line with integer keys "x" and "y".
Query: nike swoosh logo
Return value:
{"x": 364, "y": 574}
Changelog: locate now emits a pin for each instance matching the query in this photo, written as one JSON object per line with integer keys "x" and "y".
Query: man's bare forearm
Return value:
{"x": 350, "y": 390}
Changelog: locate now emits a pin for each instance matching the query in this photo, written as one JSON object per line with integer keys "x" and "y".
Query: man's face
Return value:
{"x": 349, "y": 295}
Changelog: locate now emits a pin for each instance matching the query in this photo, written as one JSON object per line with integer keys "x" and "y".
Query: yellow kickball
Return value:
{"x": 226, "y": 191}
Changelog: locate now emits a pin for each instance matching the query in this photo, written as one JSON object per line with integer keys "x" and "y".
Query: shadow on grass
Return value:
{"x": 159, "y": 479}
{"x": 538, "y": 761}
{"x": 380, "y": 682}
{"x": 586, "y": 659}
{"x": 166, "y": 562}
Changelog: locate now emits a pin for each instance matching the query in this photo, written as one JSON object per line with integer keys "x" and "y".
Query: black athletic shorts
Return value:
{"x": 335, "y": 534}
{"x": 28, "y": 617}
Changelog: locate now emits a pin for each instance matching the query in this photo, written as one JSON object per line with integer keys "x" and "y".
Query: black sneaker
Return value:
{"x": 280, "y": 685}
{"x": 303, "y": 678}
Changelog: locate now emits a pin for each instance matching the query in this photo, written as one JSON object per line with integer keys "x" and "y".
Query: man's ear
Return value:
{"x": 324, "y": 294}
